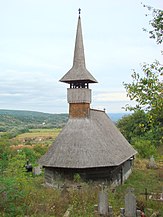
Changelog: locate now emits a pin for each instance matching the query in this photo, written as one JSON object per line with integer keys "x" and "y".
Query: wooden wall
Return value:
{"x": 115, "y": 175}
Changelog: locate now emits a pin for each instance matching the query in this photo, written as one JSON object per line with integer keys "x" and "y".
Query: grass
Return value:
{"x": 40, "y": 133}
{"x": 38, "y": 136}
{"x": 160, "y": 150}
{"x": 144, "y": 178}
{"x": 141, "y": 179}
{"x": 42, "y": 201}
{"x": 36, "y": 200}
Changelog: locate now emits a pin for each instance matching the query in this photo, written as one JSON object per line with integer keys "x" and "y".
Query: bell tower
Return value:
{"x": 78, "y": 78}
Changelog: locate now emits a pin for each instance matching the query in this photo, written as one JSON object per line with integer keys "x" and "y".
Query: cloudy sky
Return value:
{"x": 37, "y": 43}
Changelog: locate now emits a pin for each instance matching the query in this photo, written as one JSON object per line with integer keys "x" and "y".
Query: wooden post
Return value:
{"x": 146, "y": 194}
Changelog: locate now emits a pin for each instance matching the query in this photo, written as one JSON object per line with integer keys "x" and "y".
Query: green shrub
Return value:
{"x": 15, "y": 185}
{"x": 11, "y": 197}
{"x": 77, "y": 177}
{"x": 144, "y": 147}
{"x": 29, "y": 154}
{"x": 5, "y": 153}
{"x": 40, "y": 150}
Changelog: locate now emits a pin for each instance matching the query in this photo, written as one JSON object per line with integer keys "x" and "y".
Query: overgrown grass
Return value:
{"x": 22, "y": 194}
{"x": 34, "y": 199}
{"x": 141, "y": 179}
{"x": 160, "y": 151}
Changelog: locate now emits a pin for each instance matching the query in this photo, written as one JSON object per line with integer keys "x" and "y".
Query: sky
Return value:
{"x": 37, "y": 39}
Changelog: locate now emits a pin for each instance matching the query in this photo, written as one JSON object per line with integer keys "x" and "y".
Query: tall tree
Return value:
{"x": 147, "y": 91}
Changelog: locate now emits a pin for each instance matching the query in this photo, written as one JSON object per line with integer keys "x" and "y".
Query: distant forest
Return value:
{"x": 23, "y": 120}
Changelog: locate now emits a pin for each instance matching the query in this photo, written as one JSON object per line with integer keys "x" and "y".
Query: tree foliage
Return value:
{"x": 147, "y": 92}
{"x": 134, "y": 125}
{"x": 138, "y": 131}
{"x": 156, "y": 23}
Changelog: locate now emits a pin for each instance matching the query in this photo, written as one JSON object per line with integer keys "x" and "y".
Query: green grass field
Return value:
{"x": 38, "y": 136}
{"x": 39, "y": 133}
{"x": 22, "y": 194}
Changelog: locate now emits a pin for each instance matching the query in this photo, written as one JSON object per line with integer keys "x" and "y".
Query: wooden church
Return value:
{"x": 90, "y": 144}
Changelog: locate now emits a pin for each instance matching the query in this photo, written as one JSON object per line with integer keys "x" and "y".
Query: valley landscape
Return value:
{"x": 24, "y": 194}
{"x": 127, "y": 164}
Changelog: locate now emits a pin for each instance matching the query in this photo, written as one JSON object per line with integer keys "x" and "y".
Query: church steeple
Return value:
{"x": 89, "y": 144}
{"x": 79, "y": 57}
{"x": 78, "y": 72}
{"x": 79, "y": 94}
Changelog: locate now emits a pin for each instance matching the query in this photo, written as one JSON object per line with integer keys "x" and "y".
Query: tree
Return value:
{"x": 134, "y": 125}
{"x": 156, "y": 23}
{"x": 147, "y": 91}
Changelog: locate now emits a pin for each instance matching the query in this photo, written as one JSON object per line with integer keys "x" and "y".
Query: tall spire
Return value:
{"x": 79, "y": 57}
{"x": 78, "y": 72}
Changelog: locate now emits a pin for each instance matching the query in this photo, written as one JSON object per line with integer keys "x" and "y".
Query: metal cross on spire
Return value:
{"x": 79, "y": 11}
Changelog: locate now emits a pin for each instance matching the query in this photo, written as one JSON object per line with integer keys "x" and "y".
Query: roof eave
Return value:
{"x": 79, "y": 80}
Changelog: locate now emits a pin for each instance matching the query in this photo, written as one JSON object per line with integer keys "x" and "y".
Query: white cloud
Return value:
{"x": 37, "y": 50}
{"x": 111, "y": 97}
{"x": 10, "y": 94}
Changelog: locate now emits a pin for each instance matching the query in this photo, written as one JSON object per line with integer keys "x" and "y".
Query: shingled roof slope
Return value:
{"x": 88, "y": 143}
{"x": 78, "y": 72}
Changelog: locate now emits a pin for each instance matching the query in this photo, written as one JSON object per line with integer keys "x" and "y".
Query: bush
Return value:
{"x": 15, "y": 185}
{"x": 5, "y": 153}
{"x": 11, "y": 197}
{"x": 29, "y": 154}
{"x": 144, "y": 147}
{"x": 40, "y": 150}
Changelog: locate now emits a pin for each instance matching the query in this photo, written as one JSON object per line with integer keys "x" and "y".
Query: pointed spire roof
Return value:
{"x": 78, "y": 72}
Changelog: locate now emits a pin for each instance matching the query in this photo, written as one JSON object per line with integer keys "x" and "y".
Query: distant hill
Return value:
{"x": 21, "y": 119}
{"x": 116, "y": 116}
{"x": 30, "y": 119}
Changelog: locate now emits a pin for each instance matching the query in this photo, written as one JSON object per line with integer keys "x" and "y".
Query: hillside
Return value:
{"x": 30, "y": 119}
{"x": 10, "y": 119}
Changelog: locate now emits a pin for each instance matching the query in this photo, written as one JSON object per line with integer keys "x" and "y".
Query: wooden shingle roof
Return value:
{"x": 78, "y": 72}
{"x": 87, "y": 143}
